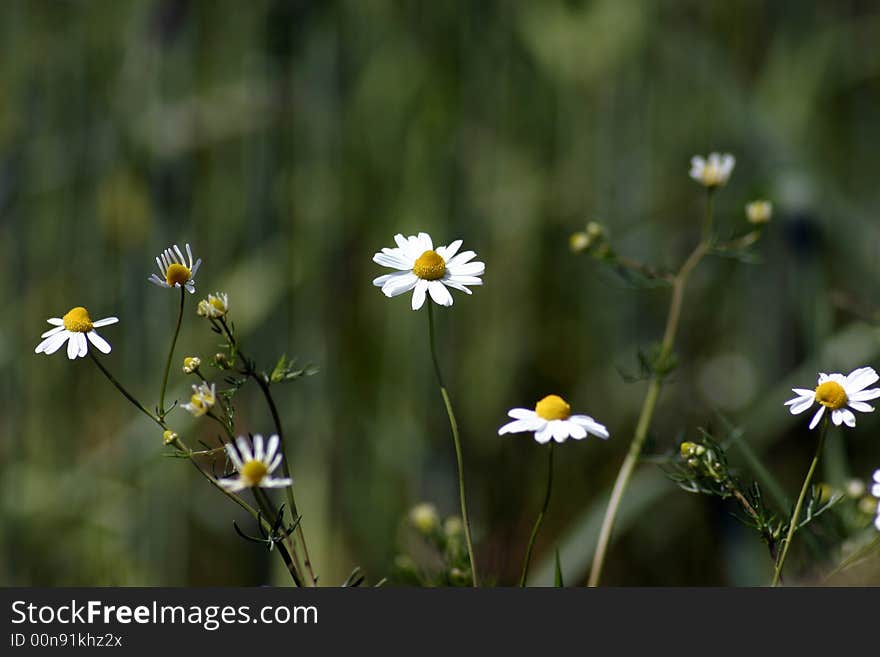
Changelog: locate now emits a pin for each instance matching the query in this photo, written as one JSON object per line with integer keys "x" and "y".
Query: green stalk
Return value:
{"x": 456, "y": 441}
{"x": 171, "y": 354}
{"x": 792, "y": 524}
{"x": 540, "y": 518}
{"x": 679, "y": 283}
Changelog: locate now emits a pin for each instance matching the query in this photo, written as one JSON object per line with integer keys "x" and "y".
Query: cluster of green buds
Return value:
{"x": 704, "y": 461}
{"x": 593, "y": 238}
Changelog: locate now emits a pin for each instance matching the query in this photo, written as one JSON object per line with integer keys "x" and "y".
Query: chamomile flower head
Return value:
{"x": 77, "y": 329}
{"x": 203, "y": 399}
{"x": 215, "y": 306}
{"x": 713, "y": 171}
{"x": 191, "y": 364}
{"x": 426, "y": 270}
{"x": 175, "y": 270}
{"x": 254, "y": 468}
{"x": 839, "y": 394}
{"x": 552, "y": 419}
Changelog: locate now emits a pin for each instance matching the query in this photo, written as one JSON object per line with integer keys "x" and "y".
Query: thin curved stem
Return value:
{"x": 263, "y": 384}
{"x": 795, "y": 515}
{"x": 453, "y": 423}
{"x": 171, "y": 354}
{"x": 190, "y": 455}
{"x": 679, "y": 283}
{"x": 539, "y": 519}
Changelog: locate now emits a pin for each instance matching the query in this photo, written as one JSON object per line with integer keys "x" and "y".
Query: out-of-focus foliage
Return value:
{"x": 289, "y": 140}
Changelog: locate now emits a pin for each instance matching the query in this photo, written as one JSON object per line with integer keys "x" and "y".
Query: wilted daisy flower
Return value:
{"x": 714, "y": 171}
{"x": 835, "y": 392}
{"x": 426, "y": 270}
{"x": 202, "y": 400}
{"x": 552, "y": 418}
{"x": 175, "y": 270}
{"x": 74, "y": 329}
{"x": 215, "y": 306}
{"x": 759, "y": 212}
{"x": 254, "y": 468}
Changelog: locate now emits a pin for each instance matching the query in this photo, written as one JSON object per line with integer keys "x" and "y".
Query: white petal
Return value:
{"x": 418, "y": 297}
{"x": 591, "y": 425}
{"x": 465, "y": 280}
{"x": 73, "y": 346}
{"x": 107, "y": 321}
{"x": 100, "y": 343}
{"x": 259, "y": 454}
{"x": 860, "y": 379}
{"x": 544, "y": 435}
{"x": 52, "y": 331}
{"x": 837, "y": 417}
{"x": 56, "y": 321}
{"x": 862, "y": 407}
{"x": 272, "y": 447}
{"x": 379, "y": 281}
{"x": 849, "y": 419}
{"x": 817, "y": 417}
{"x": 53, "y": 343}
{"x": 560, "y": 430}
{"x": 399, "y": 284}
{"x": 439, "y": 293}
{"x": 461, "y": 258}
{"x": 801, "y": 404}
{"x": 865, "y": 395}
{"x": 270, "y": 482}
{"x": 446, "y": 252}
{"x": 522, "y": 413}
{"x": 233, "y": 484}
{"x": 273, "y": 465}
{"x": 244, "y": 449}
{"x": 232, "y": 453}
{"x": 576, "y": 431}
{"x": 520, "y": 426}
{"x": 426, "y": 242}
{"x": 392, "y": 261}
{"x": 467, "y": 269}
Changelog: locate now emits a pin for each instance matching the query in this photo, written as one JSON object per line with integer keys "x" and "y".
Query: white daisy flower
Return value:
{"x": 552, "y": 418}
{"x": 202, "y": 400}
{"x": 426, "y": 270}
{"x": 254, "y": 468}
{"x": 175, "y": 270}
{"x": 835, "y": 392}
{"x": 714, "y": 171}
{"x": 77, "y": 329}
{"x": 214, "y": 307}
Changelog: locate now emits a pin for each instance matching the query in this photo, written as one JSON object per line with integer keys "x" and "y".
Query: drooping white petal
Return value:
{"x": 837, "y": 417}
{"x": 800, "y": 404}
{"x": 817, "y": 417}
{"x": 73, "y": 346}
{"x": 52, "y": 331}
{"x": 100, "y": 343}
{"x": 590, "y": 425}
{"x": 419, "y": 291}
{"x": 439, "y": 293}
{"x": 52, "y": 343}
{"x": 848, "y": 417}
{"x": 521, "y": 426}
{"x": 544, "y": 435}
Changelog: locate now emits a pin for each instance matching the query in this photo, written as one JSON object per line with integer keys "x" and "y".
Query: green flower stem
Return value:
{"x": 679, "y": 283}
{"x": 189, "y": 453}
{"x": 795, "y": 515}
{"x": 457, "y": 442}
{"x": 263, "y": 383}
{"x": 171, "y": 354}
{"x": 540, "y": 518}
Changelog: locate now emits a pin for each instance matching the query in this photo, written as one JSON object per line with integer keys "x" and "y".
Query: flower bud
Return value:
{"x": 759, "y": 212}
{"x": 424, "y": 518}
{"x": 169, "y": 437}
{"x": 215, "y": 306}
{"x": 191, "y": 364}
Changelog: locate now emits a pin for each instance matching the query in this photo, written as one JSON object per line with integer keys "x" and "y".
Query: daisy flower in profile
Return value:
{"x": 713, "y": 171}
{"x": 254, "y": 468}
{"x": 202, "y": 400}
{"x": 838, "y": 394}
{"x": 426, "y": 270}
{"x": 77, "y": 329}
{"x": 552, "y": 419}
{"x": 214, "y": 307}
{"x": 175, "y": 270}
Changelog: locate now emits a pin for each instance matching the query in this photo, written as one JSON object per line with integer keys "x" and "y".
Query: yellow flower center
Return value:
{"x": 712, "y": 176}
{"x": 553, "y": 407}
{"x": 78, "y": 320}
{"x": 177, "y": 274}
{"x": 253, "y": 472}
{"x": 430, "y": 266}
{"x": 831, "y": 395}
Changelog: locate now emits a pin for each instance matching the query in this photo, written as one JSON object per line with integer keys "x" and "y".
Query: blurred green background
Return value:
{"x": 288, "y": 141}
